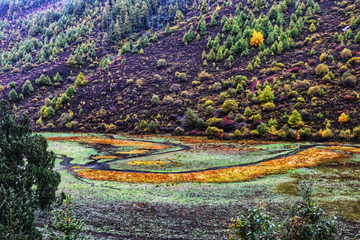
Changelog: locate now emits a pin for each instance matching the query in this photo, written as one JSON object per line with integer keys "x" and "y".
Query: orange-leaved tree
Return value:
{"x": 343, "y": 118}
{"x": 257, "y": 39}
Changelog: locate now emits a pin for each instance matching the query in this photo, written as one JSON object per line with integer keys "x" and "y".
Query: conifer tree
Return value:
{"x": 168, "y": 29}
{"x": 27, "y": 88}
{"x": 28, "y": 182}
{"x": 201, "y": 27}
{"x": 219, "y": 56}
{"x": 211, "y": 56}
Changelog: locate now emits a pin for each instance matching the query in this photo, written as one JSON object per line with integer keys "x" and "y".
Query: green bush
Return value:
{"x": 356, "y": 132}
{"x": 151, "y": 127}
{"x": 294, "y": 119}
{"x": 13, "y": 96}
{"x": 229, "y": 105}
{"x": 263, "y": 129}
{"x": 155, "y": 99}
{"x": 161, "y": 63}
{"x": 213, "y": 131}
{"x": 57, "y": 78}
{"x": 27, "y": 88}
{"x": 267, "y": 95}
{"x": 322, "y": 69}
{"x": 306, "y": 220}
{"x": 43, "y": 81}
{"x": 11, "y": 85}
{"x": 80, "y": 80}
{"x": 192, "y": 121}
{"x": 268, "y": 107}
{"x": 70, "y": 91}
{"x": 50, "y": 112}
{"x": 247, "y": 112}
{"x": 348, "y": 79}
{"x": 64, "y": 99}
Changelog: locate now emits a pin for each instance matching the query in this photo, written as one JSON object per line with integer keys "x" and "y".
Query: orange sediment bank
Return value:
{"x": 307, "y": 158}
{"x": 344, "y": 149}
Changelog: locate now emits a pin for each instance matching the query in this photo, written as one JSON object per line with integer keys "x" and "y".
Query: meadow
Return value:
{"x": 198, "y": 210}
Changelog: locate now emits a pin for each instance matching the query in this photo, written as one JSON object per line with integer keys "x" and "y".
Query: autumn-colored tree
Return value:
{"x": 343, "y": 118}
{"x": 257, "y": 39}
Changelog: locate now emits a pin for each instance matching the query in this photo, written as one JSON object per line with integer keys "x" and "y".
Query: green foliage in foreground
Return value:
{"x": 67, "y": 226}
{"x": 306, "y": 221}
{"x": 27, "y": 179}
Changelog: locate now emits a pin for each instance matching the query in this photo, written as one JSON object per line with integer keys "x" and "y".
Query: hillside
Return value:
{"x": 301, "y": 82}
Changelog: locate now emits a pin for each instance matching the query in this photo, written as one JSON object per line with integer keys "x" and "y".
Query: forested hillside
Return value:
{"x": 230, "y": 69}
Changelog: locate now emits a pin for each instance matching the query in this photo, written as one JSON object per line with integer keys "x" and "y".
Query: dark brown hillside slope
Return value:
{"x": 125, "y": 89}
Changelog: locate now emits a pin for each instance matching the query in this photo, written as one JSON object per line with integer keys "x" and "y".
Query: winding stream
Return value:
{"x": 159, "y": 149}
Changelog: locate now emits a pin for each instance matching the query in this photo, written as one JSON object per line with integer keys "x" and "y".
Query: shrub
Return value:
{"x": 175, "y": 87}
{"x": 229, "y": 105}
{"x": 267, "y": 95}
{"x": 321, "y": 70}
{"x": 247, "y": 112}
{"x": 168, "y": 29}
{"x": 304, "y": 133}
{"x": 294, "y": 119}
{"x": 12, "y": 85}
{"x": 80, "y": 80}
{"x": 312, "y": 27}
{"x": 257, "y": 39}
{"x": 356, "y": 132}
{"x": 155, "y": 99}
{"x": 214, "y": 121}
{"x": 255, "y": 117}
{"x": 263, "y": 129}
{"x": 161, "y": 63}
{"x": 13, "y": 96}
{"x": 192, "y": 121}
{"x": 327, "y": 133}
{"x": 27, "y": 88}
{"x": 57, "y": 77}
{"x": 168, "y": 99}
{"x": 315, "y": 91}
{"x": 209, "y": 102}
{"x": 43, "y": 81}
{"x": 151, "y": 127}
{"x": 357, "y": 38}
{"x": 254, "y": 133}
{"x": 268, "y": 107}
{"x": 143, "y": 124}
{"x": 345, "y": 134}
{"x": 64, "y": 99}
{"x": 348, "y": 79}
{"x": 240, "y": 79}
{"x": 346, "y": 53}
{"x": 70, "y": 91}
{"x": 222, "y": 96}
{"x": 213, "y": 131}
{"x": 237, "y": 133}
{"x": 50, "y": 113}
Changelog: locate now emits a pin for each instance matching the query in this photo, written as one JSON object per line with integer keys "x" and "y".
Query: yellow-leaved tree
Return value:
{"x": 257, "y": 39}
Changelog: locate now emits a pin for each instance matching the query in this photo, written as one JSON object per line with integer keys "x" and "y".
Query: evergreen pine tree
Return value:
{"x": 219, "y": 56}
{"x": 28, "y": 181}
{"x": 168, "y": 29}
{"x": 201, "y": 27}
{"x": 27, "y": 88}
